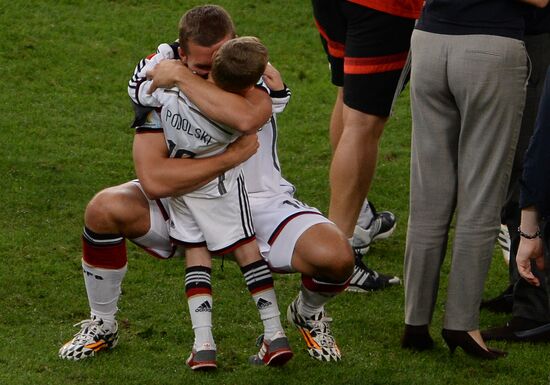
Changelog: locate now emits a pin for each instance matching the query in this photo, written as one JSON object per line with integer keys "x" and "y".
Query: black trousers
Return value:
{"x": 529, "y": 301}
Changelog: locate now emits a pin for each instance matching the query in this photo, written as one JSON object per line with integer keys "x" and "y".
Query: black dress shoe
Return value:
{"x": 417, "y": 338}
{"x": 502, "y": 303}
{"x": 519, "y": 329}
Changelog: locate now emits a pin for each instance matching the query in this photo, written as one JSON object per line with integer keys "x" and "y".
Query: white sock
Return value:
{"x": 260, "y": 284}
{"x": 103, "y": 289}
{"x": 200, "y": 310}
{"x": 198, "y": 289}
{"x": 311, "y": 303}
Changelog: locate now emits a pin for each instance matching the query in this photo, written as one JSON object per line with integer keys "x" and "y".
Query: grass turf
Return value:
{"x": 65, "y": 135}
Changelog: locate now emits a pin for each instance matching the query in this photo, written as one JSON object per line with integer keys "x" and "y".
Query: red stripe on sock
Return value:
{"x": 317, "y": 286}
{"x": 106, "y": 257}
{"x": 198, "y": 291}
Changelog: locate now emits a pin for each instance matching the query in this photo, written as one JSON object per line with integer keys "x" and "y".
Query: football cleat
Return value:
{"x": 203, "y": 359}
{"x": 364, "y": 279}
{"x": 92, "y": 337}
{"x": 316, "y": 332}
{"x": 381, "y": 226}
{"x": 274, "y": 352}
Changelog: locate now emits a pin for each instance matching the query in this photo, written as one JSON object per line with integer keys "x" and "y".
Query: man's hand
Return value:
{"x": 530, "y": 249}
{"x": 243, "y": 148}
{"x": 166, "y": 73}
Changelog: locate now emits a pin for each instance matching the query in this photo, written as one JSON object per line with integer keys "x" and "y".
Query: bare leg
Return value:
{"x": 353, "y": 165}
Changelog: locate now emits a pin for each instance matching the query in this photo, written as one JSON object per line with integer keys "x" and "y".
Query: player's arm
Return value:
{"x": 278, "y": 90}
{"x": 161, "y": 176}
{"x": 245, "y": 113}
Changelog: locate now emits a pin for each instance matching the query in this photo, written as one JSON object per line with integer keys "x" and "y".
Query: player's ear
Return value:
{"x": 183, "y": 56}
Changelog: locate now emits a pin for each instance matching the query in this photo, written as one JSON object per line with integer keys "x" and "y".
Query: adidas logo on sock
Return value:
{"x": 205, "y": 306}
{"x": 263, "y": 303}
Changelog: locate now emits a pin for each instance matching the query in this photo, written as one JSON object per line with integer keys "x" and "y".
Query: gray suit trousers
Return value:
{"x": 467, "y": 98}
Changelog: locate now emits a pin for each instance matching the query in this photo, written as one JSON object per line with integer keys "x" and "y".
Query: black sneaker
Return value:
{"x": 364, "y": 279}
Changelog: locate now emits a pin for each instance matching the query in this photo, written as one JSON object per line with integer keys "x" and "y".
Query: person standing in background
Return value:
{"x": 469, "y": 71}
{"x": 528, "y": 304}
{"x": 367, "y": 43}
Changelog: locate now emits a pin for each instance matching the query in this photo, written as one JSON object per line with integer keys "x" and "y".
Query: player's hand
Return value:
{"x": 530, "y": 249}
{"x": 273, "y": 78}
{"x": 243, "y": 148}
{"x": 165, "y": 74}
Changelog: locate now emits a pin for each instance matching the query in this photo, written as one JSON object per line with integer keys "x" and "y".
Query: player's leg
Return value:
{"x": 226, "y": 226}
{"x": 275, "y": 349}
{"x": 355, "y": 131}
{"x": 198, "y": 289}
{"x": 295, "y": 237}
{"x": 323, "y": 255}
{"x": 111, "y": 216}
{"x": 352, "y": 167}
{"x": 375, "y": 51}
{"x": 371, "y": 224}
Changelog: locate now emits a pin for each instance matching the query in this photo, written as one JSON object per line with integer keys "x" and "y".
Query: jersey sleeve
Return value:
{"x": 280, "y": 99}
{"x": 146, "y": 106}
{"x": 138, "y": 85}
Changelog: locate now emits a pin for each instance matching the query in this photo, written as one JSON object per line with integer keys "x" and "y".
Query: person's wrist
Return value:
{"x": 529, "y": 233}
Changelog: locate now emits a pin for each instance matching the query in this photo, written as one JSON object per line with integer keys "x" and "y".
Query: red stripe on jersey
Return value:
{"x": 162, "y": 209}
{"x": 188, "y": 244}
{"x": 373, "y": 65}
{"x": 409, "y": 9}
{"x": 322, "y": 287}
{"x": 335, "y": 48}
{"x": 151, "y": 56}
{"x": 234, "y": 246}
{"x": 282, "y": 225}
{"x": 105, "y": 257}
{"x": 198, "y": 291}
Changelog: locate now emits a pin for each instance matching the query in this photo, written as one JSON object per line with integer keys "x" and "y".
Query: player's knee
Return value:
{"x": 337, "y": 261}
{"x": 111, "y": 209}
{"x": 345, "y": 264}
{"x": 101, "y": 210}
{"x": 369, "y": 128}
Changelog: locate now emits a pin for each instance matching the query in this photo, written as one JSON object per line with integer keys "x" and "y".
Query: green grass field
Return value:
{"x": 64, "y": 129}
